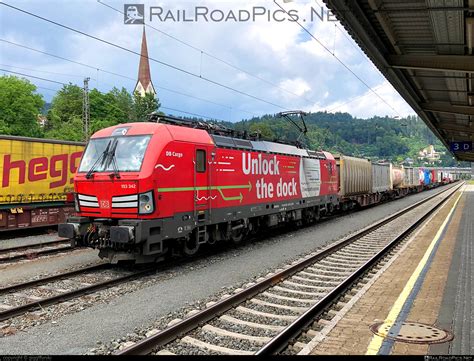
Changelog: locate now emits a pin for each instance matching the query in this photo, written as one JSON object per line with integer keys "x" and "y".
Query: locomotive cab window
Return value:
{"x": 200, "y": 161}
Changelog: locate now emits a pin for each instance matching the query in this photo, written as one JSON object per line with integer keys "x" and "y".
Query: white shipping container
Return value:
{"x": 381, "y": 178}
{"x": 416, "y": 177}
{"x": 411, "y": 177}
{"x": 440, "y": 176}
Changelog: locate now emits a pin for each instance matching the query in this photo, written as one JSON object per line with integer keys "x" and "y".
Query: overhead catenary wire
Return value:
{"x": 113, "y": 105}
{"x": 353, "y": 99}
{"x": 204, "y": 52}
{"x": 45, "y": 71}
{"x": 49, "y": 89}
{"x": 209, "y": 80}
{"x": 201, "y": 51}
{"x": 171, "y": 66}
{"x": 32, "y": 76}
{"x": 124, "y": 76}
{"x": 344, "y": 34}
{"x": 337, "y": 58}
{"x": 193, "y": 114}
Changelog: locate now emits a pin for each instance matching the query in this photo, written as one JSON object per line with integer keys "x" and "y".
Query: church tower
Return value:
{"x": 144, "y": 84}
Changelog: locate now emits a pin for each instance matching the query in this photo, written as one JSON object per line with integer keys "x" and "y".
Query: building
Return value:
{"x": 144, "y": 84}
{"x": 430, "y": 155}
{"x": 42, "y": 120}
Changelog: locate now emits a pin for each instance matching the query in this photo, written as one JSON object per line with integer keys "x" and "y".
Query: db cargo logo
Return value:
{"x": 55, "y": 169}
{"x": 104, "y": 204}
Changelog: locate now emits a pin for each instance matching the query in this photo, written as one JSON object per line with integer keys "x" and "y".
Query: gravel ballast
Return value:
{"x": 202, "y": 280}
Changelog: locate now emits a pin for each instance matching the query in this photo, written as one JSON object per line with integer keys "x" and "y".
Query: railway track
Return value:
{"x": 13, "y": 254}
{"x": 18, "y": 299}
{"x": 267, "y": 316}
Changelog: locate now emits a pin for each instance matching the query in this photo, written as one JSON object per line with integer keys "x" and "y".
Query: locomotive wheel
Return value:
{"x": 253, "y": 227}
{"x": 307, "y": 217}
{"x": 330, "y": 208}
{"x": 211, "y": 240}
{"x": 345, "y": 207}
{"x": 237, "y": 236}
{"x": 317, "y": 215}
{"x": 190, "y": 246}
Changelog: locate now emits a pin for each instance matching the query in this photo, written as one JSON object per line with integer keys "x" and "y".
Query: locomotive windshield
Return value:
{"x": 128, "y": 153}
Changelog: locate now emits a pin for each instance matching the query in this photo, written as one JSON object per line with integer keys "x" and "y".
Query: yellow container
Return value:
{"x": 36, "y": 170}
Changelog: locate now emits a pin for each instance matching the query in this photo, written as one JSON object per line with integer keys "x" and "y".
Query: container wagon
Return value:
{"x": 427, "y": 177}
{"x": 355, "y": 182}
{"x": 412, "y": 179}
{"x": 37, "y": 181}
{"x": 397, "y": 177}
{"x": 381, "y": 181}
{"x": 381, "y": 178}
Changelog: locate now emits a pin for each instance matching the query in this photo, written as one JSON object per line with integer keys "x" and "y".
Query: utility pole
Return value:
{"x": 85, "y": 109}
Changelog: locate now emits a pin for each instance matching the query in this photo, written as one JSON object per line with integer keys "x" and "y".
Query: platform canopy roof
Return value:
{"x": 425, "y": 50}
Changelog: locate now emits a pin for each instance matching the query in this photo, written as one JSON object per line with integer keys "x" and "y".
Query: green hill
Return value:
{"x": 375, "y": 138}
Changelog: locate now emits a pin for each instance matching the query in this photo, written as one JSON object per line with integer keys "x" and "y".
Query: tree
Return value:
{"x": 67, "y": 103}
{"x": 143, "y": 106}
{"x": 110, "y": 108}
{"x": 19, "y": 107}
{"x": 65, "y": 114}
{"x": 264, "y": 129}
{"x": 70, "y": 130}
{"x": 124, "y": 102}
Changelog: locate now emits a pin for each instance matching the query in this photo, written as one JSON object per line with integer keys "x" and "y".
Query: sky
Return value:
{"x": 275, "y": 61}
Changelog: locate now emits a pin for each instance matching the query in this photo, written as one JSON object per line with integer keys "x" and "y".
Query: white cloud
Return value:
{"x": 281, "y": 53}
{"x": 368, "y": 104}
{"x": 297, "y": 86}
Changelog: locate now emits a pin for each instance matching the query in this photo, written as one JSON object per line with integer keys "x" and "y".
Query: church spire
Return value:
{"x": 144, "y": 84}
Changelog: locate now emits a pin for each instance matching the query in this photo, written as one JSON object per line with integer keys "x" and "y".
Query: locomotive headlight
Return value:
{"x": 145, "y": 203}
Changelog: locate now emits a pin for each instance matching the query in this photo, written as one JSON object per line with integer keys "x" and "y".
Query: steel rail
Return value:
{"x": 147, "y": 345}
{"x": 36, "y": 250}
{"x": 16, "y": 311}
{"x": 281, "y": 341}
{"x": 34, "y": 245}
{"x": 20, "y": 286}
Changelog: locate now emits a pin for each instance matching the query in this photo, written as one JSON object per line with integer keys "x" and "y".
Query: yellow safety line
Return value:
{"x": 376, "y": 342}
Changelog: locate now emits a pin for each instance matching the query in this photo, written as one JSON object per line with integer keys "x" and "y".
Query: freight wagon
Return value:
{"x": 426, "y": 177}
{"x": 36, "y": 181}
{"x": 363, "y": 183}
{"x": 412, "y": 179}
{"x": 381, "y": 178}
{"x": 398, "y": 175}
{"x": 355, "y": 182}
{"x": 434, "y": 177}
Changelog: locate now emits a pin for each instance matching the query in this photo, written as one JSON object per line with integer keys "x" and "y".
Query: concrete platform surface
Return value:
{"x": 430, "y": 282}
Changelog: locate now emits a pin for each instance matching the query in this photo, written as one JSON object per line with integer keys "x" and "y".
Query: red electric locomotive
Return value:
{"x": 143, "y": 189}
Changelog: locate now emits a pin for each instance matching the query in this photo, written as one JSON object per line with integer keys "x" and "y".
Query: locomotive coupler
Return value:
{"x": 75, "y": 228}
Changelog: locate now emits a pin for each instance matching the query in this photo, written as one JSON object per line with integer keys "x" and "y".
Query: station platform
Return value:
{"x": 421, "y": 301}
